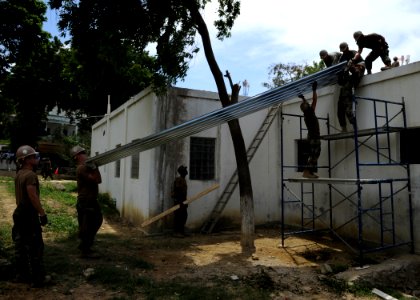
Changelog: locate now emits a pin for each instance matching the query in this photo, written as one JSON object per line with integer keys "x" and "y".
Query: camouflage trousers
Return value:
{"x": 374, "y": 54}
{"x": 90, "y": 220}
{"x": 180, "y": 218}
{"x": 314, "y": 153}
{"x": 345, "y": 104}
{"x": 29, "y": 246}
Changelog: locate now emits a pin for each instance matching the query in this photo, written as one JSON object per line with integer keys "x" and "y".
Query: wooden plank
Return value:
{"x": 173, "y": 208}
{"x": 383, "y": 295}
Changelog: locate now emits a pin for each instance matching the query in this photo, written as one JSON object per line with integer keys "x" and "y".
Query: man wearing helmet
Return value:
{"x": 313, "y": 138}
{"x": 28, "y": 218}
{"x": 348, "y": 79}
{"x": 179, "y": 194}
{"x": 89, "y": 215}
{"x": 329, "y": 59}
{"x": 379, "y": 47}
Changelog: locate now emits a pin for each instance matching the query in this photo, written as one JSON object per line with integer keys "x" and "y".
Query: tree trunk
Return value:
{"x": 244, "y": 176}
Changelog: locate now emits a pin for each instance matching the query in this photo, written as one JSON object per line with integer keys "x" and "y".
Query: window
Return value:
{"x": 409, "y": 146}
{"x": 118, "y": 166}
{"x": 202, "y": 157}
{"x": 135, "y": 166}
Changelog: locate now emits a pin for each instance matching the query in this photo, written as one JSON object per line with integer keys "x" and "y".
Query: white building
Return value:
{"x": 141, "y": 184}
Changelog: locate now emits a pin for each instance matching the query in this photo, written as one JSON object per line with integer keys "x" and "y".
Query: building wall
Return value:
{"x": 146, "y": 113}
{"x": 127, "y": 123}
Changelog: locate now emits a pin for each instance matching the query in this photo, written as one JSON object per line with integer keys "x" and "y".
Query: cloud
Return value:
{"x": 271, "y": 31}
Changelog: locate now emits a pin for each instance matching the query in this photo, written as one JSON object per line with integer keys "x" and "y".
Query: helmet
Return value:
{"x": 323, "y": 53}
{"x": 344, "y": 46}
{"x": 357, "y": 34}
{"x": 76, "y": 150}
{"x": 25, "y": 151}
{"x": 182, "y": 170}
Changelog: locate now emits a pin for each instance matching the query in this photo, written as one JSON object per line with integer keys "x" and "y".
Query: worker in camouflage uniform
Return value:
{"x": 379, "y": 47}
{"x": 329, "y": 59}
{"x": 28, "y": 217}
{"x": 314, "y": 137}
{"x": 179, "y": 194}
{"x": 348, "y": 80}
{"x": 89, "y": 215}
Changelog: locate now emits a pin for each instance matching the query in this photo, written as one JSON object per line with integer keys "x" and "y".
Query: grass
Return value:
{"x": 6, "y": 243}
{"x": 358, "y": 289}
{"x": 126, "y": 273}
{"x": 120, "y": 272}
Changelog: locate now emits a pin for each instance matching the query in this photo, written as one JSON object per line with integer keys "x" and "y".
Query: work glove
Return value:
{"x": 43, "y": 220}
{"x": 314, "y": 85}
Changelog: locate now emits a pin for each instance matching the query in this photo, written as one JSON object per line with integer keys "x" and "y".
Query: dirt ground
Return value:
{"x": 297, "y": 271}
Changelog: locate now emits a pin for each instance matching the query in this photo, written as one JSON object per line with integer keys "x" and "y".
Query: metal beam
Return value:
{"x": 261, "y": 101}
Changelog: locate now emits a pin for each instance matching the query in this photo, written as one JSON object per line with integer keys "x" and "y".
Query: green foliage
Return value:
{"x": 5, "y": 238}
{"x": 56, "y": 203}
{"x": 338, "y": 268}
{"x": 228, "y": 11}
{"x": 338, "y": 286}
{"x": 108, "y": 205}
{"x": 61, "y": 223}
{"x": 282, "y": 74}
{"x": 6, "y": 179}
{"x": 110, "y": 38}
{"x": 29, "y": 66}
{"x": 49, "y": 191}
{"x": 357, "y": 288}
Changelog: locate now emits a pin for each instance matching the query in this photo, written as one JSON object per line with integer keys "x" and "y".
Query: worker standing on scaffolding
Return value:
{"x": 313, "y": 138}
{"x": 348, "y": 80}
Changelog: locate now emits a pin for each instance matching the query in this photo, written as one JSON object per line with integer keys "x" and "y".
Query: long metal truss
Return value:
{"x": 261, "y": 101}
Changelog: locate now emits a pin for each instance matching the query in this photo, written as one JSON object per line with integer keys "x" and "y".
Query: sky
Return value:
{"x": 269, "y": 32}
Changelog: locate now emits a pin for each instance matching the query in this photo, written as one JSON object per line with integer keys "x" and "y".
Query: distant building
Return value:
{"x": 59, "y": 123}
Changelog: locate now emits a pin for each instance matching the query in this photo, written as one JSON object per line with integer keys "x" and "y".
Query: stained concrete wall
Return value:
{"x": 146, "y": 113}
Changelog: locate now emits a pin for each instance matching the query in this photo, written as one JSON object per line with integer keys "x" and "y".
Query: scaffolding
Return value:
{"x": 364, "y": 189}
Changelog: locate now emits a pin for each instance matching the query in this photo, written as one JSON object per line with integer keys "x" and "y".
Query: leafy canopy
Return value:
{"x": 281, "y": 74}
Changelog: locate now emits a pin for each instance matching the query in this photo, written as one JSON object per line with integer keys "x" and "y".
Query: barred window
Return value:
{"x": 118, "y": 165}
{"x": 135, "y": 166}
{"x": 202, "y": 158}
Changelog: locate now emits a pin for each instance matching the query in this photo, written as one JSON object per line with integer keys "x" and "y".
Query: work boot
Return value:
{"x": 386, "y": 68}
{"x": 308, "y": 174}
{"x": 314, "y": 175}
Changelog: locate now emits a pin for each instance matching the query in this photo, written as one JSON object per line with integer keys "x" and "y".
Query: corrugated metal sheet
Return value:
{"x": 261, "y": 101}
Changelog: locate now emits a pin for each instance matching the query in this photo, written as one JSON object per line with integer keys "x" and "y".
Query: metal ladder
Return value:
{"x": 233, "y": 182}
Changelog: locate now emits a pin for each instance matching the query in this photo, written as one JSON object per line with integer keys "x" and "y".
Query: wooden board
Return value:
{"x": 173, "y": 208}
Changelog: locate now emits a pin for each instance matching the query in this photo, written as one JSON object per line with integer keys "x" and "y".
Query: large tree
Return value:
{"x": 171, "y": 25}
{"x": 28, "y": 69}
{"x": 108, "y": 57}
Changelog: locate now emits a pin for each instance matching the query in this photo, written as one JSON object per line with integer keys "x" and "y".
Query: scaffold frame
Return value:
{"x": 389, "y": 190}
